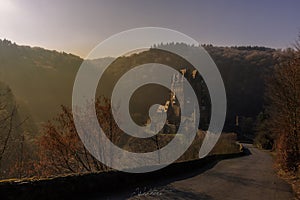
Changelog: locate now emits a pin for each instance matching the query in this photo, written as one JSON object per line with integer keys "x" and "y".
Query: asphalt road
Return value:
{"x": 247, "y": 177}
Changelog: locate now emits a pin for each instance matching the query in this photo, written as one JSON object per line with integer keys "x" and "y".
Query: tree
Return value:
{"x": 14, "y": 159}
{"x": 297, "y": 44}
{"x": 61, "y": 150}
{"x": 6, "y": 126}
{"x": 8, "y": 112}
{"x": 263, "y": 136}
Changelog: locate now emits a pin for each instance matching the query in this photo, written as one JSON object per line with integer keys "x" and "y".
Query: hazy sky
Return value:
{"x": 77, "y": 26}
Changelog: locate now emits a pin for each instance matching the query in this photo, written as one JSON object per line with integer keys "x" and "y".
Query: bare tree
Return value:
{"x": 8, "y": 112}
{"x": 12, "y": 138}
{"x": 297, "y": 44}
{"x": 60, "y": 148}
{"x": 6, "y": 126}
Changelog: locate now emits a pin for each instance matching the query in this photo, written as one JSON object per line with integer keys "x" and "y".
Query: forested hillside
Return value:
{"x": 42, "y": 80}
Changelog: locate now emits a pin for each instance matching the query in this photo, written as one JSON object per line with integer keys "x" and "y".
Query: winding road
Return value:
{"x": 248, "y": 177}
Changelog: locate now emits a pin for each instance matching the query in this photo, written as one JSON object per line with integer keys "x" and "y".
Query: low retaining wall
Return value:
{"x": 80, "y": 186}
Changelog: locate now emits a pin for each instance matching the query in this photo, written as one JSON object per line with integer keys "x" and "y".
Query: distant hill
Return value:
{"x": 42, "y": 80}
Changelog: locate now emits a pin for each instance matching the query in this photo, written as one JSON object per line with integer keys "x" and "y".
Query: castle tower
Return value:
{"x": 177, "y": 86}
{"x": 174, "y": 107}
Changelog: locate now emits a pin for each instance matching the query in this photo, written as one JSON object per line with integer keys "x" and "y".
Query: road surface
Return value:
{"x": 245, "y": 178}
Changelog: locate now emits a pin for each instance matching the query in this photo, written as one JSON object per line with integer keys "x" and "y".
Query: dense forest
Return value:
{"x": 39, "y": 81}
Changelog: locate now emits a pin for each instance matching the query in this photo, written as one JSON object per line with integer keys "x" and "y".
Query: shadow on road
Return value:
{"x": 146, "y": 188}
{"x": 246, "y": 152}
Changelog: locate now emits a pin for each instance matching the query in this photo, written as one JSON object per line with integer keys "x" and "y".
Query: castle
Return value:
{"x": 173, "y": 105}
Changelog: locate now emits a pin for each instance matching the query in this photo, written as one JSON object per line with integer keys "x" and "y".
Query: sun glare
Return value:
{"x": 6, "y": 5}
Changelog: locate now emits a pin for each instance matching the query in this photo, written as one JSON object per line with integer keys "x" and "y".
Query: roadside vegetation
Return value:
{"x": 278, "y": 127}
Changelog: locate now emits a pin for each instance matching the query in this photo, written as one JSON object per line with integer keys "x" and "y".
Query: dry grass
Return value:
{"x": 225, "y": 145}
